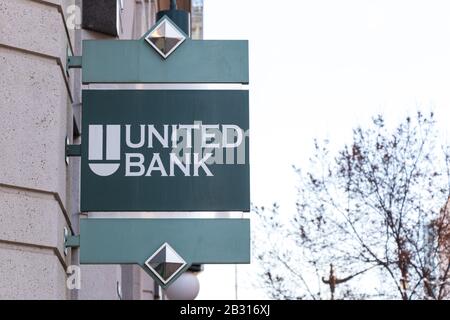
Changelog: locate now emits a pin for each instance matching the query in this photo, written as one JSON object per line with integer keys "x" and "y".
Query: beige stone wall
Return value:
{"x": 35, "y": 118}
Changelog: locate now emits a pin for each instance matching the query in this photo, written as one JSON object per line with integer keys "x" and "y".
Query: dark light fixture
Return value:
{"x": 178, "y": 12}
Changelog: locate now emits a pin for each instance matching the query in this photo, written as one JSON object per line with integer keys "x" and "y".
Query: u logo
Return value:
{"x": 96, "y": 149}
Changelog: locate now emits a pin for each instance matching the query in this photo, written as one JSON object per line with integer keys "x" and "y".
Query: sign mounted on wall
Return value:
{"x": 168, "y": 146}
{"x": 165, "y": 150}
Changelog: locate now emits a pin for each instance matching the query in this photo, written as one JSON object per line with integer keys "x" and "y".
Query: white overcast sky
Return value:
{"x": 318, "y": 68}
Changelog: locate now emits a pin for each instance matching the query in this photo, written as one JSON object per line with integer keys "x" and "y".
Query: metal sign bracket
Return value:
{"x": 74, "y": 62}
{"x": 73, "y": 150}
{"x": 72, "y": 242}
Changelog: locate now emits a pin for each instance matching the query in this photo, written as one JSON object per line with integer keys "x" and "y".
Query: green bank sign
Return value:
{"x": 148, "y": 149}
{"x": 165, "y": 150}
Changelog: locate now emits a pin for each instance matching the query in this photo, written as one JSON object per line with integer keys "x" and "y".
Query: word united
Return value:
{"x": 108, "y": 147}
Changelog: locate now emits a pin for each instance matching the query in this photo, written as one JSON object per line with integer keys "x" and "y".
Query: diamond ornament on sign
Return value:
{"x": 165, "y": 37}
{"x": 165, "y": 263}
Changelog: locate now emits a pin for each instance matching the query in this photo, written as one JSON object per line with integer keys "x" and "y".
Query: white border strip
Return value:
{"x": 169, "y": 215}
{"x": 165, "y": 86}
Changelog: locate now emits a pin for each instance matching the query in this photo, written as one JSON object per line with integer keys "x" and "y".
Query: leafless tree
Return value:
{"x": 374, "y": 211}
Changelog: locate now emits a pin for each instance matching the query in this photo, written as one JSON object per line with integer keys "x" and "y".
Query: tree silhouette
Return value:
{"x": 374, "y": 211}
